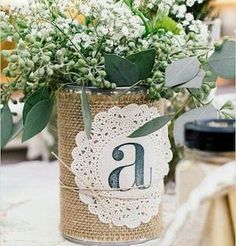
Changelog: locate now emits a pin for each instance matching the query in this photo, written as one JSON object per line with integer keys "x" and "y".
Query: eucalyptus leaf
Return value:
{"x": 87, "y": 117}
{"x": 145, "y": 61}
{"x": 120, "y": 70}
{"x": 39, "y": 95}
{"x": 196, "y": 82}
{"x": 17, "y": 128}
{"x": 37, "y": 118}
{"x": 201, "y": 113}
{"x": 223, "y": 60}
{"x": 152, "y": 126}
{"x": 181, "y": 71}
{"x": 6, "y": 125}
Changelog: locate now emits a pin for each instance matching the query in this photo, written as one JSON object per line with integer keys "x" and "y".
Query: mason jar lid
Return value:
{"x": 211, "y": 135}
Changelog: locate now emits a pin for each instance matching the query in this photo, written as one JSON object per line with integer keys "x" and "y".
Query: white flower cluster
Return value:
{"x": 53, "y": 45}
{"x": 187, "y": 19}
{"x": 168, "y": 3}
{"x": 190, "y": 3}
{"x": 178, "y": 9}
{"x": 114, "y": 21}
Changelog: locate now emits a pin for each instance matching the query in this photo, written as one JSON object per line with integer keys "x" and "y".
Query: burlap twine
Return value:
{"x": 76, "y": 220}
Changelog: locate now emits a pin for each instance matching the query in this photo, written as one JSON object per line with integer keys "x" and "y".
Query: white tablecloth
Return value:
{"x": 29, "y": 205}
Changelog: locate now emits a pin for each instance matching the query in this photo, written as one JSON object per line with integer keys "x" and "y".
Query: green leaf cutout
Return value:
{"x": 223, "y": 61}
{"x": 37, "y": 118}
{"x": 201, "y": 113}
{"x": 145, "y": 61}
{"x": 151, "y": 126}
{"x": 196, "y": 82}
{"x": 120, "y": 70}
{"x": 6, "y": 125}
{"x": 87, "y": 117}
{"x": 39, "y": 95}
{"x": 181, "y": 71}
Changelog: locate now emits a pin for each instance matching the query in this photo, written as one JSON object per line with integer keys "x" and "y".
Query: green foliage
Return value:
{"x": 76, "y": 54}
{"x": 151, "y": 126}
{"x": 120, "y": 70}
{"x": 168, "y": 24}
{"x": 4, "y": 35}
{"x": 209, "y": 83}
{"x": 127, "y": 71}
{"x": 87, "y": 117}
{"x": 182, "y": 71}
{"x": 210, "y": 75}
{"x": 223, "y": 60}
{"x": 196, "y": 82}
{"x": 145, "y": 61}
{"x": 129, "y": 3}
{"x": 39, "y": 95}
{"x": 37, "y": 118}
{"x": 6, "y": 125}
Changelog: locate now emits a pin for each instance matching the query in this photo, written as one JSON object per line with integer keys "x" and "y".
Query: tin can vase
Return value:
{"x": 111, "y": 184}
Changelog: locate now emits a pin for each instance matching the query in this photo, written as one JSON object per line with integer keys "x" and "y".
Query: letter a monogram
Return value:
{"x": 118, "y": 155}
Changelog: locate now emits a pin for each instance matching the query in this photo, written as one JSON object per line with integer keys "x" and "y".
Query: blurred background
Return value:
{"x": 40, "y": 147}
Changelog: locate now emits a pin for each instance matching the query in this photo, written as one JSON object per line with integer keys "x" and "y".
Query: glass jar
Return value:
{"x": 208, "y": 145}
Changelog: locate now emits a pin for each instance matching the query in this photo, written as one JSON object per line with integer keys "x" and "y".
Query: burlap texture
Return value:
{"x": 76, "y": 220}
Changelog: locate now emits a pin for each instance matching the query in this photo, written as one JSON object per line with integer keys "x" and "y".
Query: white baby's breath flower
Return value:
{"x": 190, "y": 3}
{"x": 125, "y": 31}
{"x": 181, "y": 11}
{"x": 189, "y": 17}
{"x": 185, "y": 23}
{"x": 115, "y": 20}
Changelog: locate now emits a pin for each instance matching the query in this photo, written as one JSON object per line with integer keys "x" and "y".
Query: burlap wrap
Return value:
{"x": 76, "y": 220}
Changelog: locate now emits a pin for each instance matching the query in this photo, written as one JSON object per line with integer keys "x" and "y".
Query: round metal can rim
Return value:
{"x": 95, "y": 90}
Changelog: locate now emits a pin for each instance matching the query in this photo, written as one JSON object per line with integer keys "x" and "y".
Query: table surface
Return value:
{"x": 29, "y": 205}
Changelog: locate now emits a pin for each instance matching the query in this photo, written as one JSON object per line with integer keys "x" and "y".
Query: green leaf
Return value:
{"x": 181, "y": 71}
{"x": 196, "y": 82}
{"x": 6, "y": 125}
{"x": 223, "y": 61}
{"x": 145, "y": 61}
{"x": 201, "y": 113}
{"x": 17, "y": 128}
{"x": 22, "y": 24}
{"x": 39, "y": 95}
{"x": 129, "y": 3}
{"x": 168, "y": 24}
{"x": 151, "y": 126}
{"x": 37, "y": 118}
{"x": 120, "y": 70}
{"x": 87, "y": 117}
{"x": 3, "y": 36}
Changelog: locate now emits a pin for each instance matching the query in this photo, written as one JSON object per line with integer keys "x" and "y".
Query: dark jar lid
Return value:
{"x": 211, "y": 135}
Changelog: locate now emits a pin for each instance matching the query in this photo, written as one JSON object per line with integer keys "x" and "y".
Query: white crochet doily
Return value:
{"x": 143, "y": 159}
